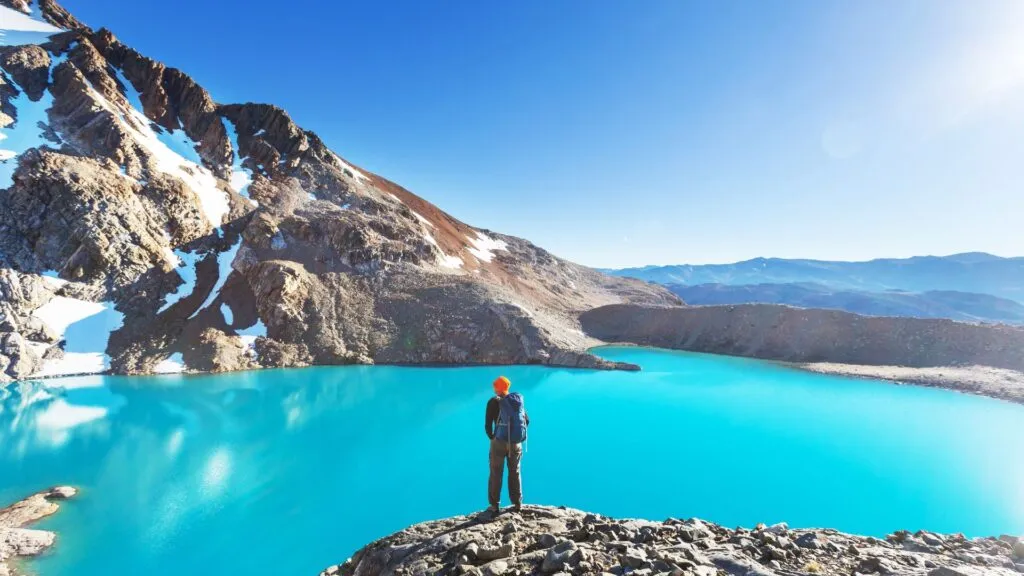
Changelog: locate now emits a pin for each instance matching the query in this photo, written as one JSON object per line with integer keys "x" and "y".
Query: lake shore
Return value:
{"x": 546, "y": 540}
{"x": 996, "y": 383}
{"x": 17, "y": 541}
{"x": 985, "y": 360}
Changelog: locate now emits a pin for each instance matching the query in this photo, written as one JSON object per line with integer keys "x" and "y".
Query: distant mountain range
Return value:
{"x": 973, "y": 287}
{"x": 965, "y": 306}
{"x": 975, "y": 272}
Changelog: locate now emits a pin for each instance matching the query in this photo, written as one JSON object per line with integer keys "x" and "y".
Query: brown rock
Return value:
{"x": 216, "y": 351}
{"x": 19, "y": 359}
{"x": 450, "y": 545}
{"x": 367, "y": 272}
{"x": 29, "y": 66}
{"x": 15, "y": 540}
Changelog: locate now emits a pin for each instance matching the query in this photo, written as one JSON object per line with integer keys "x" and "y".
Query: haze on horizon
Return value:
{"x": 661, "y": 132}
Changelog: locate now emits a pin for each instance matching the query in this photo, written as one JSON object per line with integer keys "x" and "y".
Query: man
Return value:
{"x": 505, "y": 423}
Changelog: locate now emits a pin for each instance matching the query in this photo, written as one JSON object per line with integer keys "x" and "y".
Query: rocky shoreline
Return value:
{"x": 973, "y": 358}
{"x": 18, "y": 541}
{"x": 997, "y": 383}
{"x": 560, "y": 541}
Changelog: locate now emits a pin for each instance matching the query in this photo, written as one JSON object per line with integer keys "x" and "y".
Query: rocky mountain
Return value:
{"x": 963, "y": 306}
{"x": 975, "y": 358}
{"x": 146, "y": 227}
{"x": 566, "y": 542}
{"x": 970, "y": 272}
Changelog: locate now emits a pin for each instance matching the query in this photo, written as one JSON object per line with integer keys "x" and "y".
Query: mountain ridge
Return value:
{"x": 976, "y": 272}
{"x": 208, "y": 237}
{"x": 981, "y": 359}
{"x": 961, "y": 306}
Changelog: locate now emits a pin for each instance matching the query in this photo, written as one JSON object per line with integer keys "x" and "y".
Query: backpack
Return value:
{"x": 511, "y": 419}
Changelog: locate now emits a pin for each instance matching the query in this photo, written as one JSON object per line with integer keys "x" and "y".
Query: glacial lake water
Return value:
{"x": 289, "y": 471}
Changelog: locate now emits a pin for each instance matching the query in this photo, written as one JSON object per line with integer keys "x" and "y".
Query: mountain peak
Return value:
{"x": 217, "y": 236}
{"x": 46, "y": 11}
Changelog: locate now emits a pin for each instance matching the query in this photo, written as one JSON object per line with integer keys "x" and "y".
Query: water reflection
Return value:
{"x": 35, "y": 416}
{"x": 176, "y": 465}
{"x": 287, "y": 471}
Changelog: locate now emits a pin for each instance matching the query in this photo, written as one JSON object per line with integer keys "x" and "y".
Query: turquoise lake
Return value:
{"x": 289, "y": 471}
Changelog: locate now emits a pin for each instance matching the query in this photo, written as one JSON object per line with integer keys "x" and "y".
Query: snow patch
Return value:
{"x": 167, "y": 149}
{"x": 186, "y": 262}
{"x": 27, "y": 132}
{"x": 18, "y": 28}
{"x": 346, "y": 166}
{"x": 225, "y": 311}
{"x": 447, "y": 261}
{"x": 422, "y": 219}
{"x": 168, "y": 252}
{"x": 61, "y": 312}
{"x": 54, "y": 281}
{"x": 484, "y": 246}
{"x": 224, "y": 260}
{"x": 444, "y": 260}
{"x": 133, "y": 96}
{"x": 241, "y": 177}
{"x": 170, "y": 256}
{"x": 257, "y": 329}
{"x": 179, "y": 143}
{"x": 250, "y": 334}
{"x": 174, "y": 364}
{"x": 39, "y": 348}
{"x": 240, "y": 181}
{"x": 80, "y": 324}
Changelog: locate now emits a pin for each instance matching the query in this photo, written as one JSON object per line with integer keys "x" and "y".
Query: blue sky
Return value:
{"x": 626, "y": 133}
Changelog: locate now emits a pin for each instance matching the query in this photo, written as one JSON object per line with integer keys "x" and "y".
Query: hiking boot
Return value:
{"x": 518, "y": 508}
{"x": 493, "y": 508}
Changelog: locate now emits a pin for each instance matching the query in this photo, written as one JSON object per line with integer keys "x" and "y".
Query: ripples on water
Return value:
{"x": 287, "y": 471}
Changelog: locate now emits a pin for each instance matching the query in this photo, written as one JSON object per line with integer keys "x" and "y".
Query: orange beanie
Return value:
{"x": 502, "y": 384}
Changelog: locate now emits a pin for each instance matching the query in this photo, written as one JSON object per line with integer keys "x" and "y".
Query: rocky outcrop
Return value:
{"x": 15, "y": 539}
{"x": 231, "y": 238}
{"x": 806, "y": 335}
{"x": 976, "y": 358}
{"x": 561, "y": 541}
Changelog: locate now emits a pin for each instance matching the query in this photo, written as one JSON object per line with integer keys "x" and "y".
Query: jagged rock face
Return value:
{"x": 559, "y": 541}
{"x": 228, "y": 237}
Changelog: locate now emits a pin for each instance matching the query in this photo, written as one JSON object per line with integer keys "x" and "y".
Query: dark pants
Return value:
{"x": 501, "y": 451}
